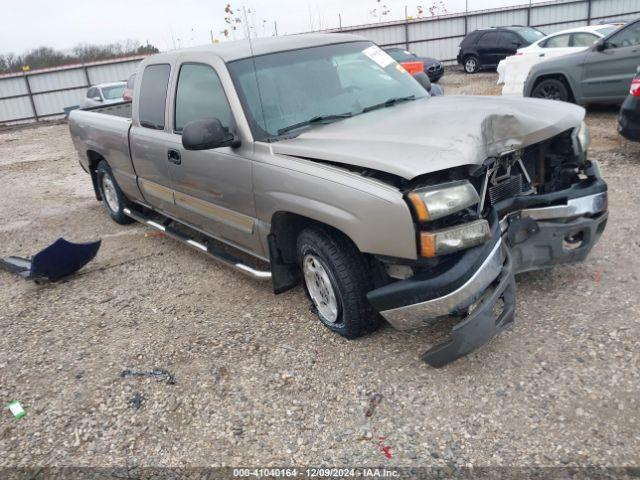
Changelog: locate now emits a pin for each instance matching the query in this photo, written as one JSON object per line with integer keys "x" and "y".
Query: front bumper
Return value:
{"x": 480, "y": 288}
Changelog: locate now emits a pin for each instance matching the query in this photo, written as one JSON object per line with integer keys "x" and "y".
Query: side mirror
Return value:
{"x": 601, "y": 45}
{"x": 423, "y": 80}
{"x": 206, "y": 134}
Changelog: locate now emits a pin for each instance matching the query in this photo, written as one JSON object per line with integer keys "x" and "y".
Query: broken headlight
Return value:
{"x": 581, "y": 139}
{"x": 435, "y": 202}
{"x": 453, "y": 239}
{"x": 439, "y": 201}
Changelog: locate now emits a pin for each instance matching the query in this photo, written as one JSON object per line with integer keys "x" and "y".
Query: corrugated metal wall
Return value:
{"x": 440, "y": 36}
{"x": 45, "y": 93}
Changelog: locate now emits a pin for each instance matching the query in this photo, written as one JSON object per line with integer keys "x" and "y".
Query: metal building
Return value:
{"x": 440, "y": 36}
{"x": 45, "y": 93}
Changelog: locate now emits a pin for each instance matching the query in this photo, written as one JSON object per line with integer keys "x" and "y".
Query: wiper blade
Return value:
{"x": 388, "y": 103}
{"x": 314, "y": 120}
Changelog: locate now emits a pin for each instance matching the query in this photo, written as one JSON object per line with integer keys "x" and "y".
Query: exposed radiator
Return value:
{"x": 506, "y": 189}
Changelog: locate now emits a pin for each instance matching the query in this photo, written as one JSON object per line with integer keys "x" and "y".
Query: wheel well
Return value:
{"x": 94, "y": 159}
{"x": 555, "y": 76}
{"x": 286, "y": 227}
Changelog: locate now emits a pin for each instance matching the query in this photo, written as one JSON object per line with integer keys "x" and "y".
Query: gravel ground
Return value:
{"x": 259, "y": 381}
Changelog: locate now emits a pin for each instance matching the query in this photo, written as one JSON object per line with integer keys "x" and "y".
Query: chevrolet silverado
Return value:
{"x": 322, "y": 158}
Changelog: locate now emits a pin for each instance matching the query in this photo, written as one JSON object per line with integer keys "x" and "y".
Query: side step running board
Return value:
{"x": 219, "y": 255}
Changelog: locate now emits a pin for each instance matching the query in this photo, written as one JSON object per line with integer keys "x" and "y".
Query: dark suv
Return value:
{"x": 485, "y": 48}
{"x": 432, "y": 67}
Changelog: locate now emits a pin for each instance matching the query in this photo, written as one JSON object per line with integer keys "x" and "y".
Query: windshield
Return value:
{"x": 607, "y": 30}
{"x": 401, "y": 55}
{"x": 529, "y": 34}
{"x": 330, "y": 82}
{"x": 111, "y": 93}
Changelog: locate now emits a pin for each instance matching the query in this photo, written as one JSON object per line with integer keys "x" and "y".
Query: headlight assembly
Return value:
{"x": 582, "y": 139}
{"x": 439, "y": 201}
{"x": 453, "y": 239}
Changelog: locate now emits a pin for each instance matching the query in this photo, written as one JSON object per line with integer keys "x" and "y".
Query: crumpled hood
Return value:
{"x": 432, "y": 134}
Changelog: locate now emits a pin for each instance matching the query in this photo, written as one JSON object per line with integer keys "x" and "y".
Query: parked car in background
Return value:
{"x": 320, "y": 156}
{"x": 601, "y": 74}
{"x": 485, "y": 48}
{"x": 432, "y": 67}
{"x": 513, "y": 70}
{"x": 629, "y": 119}
{"x": 127, "y": 94}
{"x": 103, "y": 94}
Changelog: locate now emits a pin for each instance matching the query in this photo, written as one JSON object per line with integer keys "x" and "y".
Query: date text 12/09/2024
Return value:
{"x": 316, "y": 472}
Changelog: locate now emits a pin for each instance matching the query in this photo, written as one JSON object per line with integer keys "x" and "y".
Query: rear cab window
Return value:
{"x": 153, "y": 96}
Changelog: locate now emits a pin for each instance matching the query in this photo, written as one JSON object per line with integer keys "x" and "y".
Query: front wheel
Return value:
{"x": 551, "y": 89}
{"x": 336, "y": 279}
{"x": 112, "y": 197}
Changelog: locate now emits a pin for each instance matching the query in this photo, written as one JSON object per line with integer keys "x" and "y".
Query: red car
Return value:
{"x": 127, "y": 95}
{"x": 629, "y": 119}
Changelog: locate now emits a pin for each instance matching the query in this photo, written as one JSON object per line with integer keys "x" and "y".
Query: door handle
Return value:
{"x": 541, "y": 55}
{"x": 173, "y": 156}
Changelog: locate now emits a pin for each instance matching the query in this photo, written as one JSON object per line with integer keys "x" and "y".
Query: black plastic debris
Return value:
{"x": 136, "y": 401}
{"x": 58, "y": 260}
{"x": 159, "y": 374}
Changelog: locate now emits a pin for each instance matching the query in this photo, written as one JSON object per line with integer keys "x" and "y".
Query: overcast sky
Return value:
{"x": 63, "y": 24}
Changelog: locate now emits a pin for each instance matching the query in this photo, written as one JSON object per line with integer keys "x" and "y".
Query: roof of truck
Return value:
{"x": 238, "y": 49}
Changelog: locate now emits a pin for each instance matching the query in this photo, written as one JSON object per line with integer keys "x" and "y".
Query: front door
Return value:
{"x": 607, "y": 74}
{"x": 213, "y": 189}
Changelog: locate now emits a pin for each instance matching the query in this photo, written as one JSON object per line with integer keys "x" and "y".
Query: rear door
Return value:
{"x": 489, "y": 49}
{"x": 148, "y": 138}
{"x": 556, "y": 46}
{"x": 509, "y": 44}
{"x": 213, "y": 189}
{"x": 607, "y": 74}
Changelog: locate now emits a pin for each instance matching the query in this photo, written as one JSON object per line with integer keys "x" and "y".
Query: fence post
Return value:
{"x": 33, "y": 105}
{"x": 406, "y": 28}
{"x": 588, "y": 12}
{"x": 86, "y": 75}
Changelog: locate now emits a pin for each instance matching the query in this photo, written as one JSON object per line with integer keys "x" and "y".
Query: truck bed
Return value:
{"x": 103, "y": 132}
{"x": 122, "y": 109}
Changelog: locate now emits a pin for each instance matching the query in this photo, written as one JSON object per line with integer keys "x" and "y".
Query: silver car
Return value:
{"x": 103, "y": 94}
{"x": 600, "y": 74}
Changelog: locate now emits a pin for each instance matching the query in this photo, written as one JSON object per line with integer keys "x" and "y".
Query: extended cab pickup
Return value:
{"x": 322, "y": 158}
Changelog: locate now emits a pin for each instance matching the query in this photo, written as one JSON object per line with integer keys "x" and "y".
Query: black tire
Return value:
{"x": 471, "y": 64}
{"x": 115, "y": 202}
{"x": 349, "y": 276}
{"x": 551, "y": 89}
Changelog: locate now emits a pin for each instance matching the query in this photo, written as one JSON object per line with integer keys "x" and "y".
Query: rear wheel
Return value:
{"x": 551, "y": 89}
{"x": 112, "y": 197}
{"x": 471, "y": 64}
{"x": 336, "y": 278}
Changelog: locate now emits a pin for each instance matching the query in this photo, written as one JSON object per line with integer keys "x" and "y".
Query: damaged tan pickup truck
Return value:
{"x": 322, "y": 157}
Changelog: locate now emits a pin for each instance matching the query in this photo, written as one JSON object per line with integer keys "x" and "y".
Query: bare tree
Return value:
{"x": 380, "y": 11}
{"x": 45, "y": 57}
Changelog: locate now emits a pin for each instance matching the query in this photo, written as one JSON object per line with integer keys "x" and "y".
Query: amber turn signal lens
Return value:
{"x": 427, "y": 244}
{"x": 419, "y": 207}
